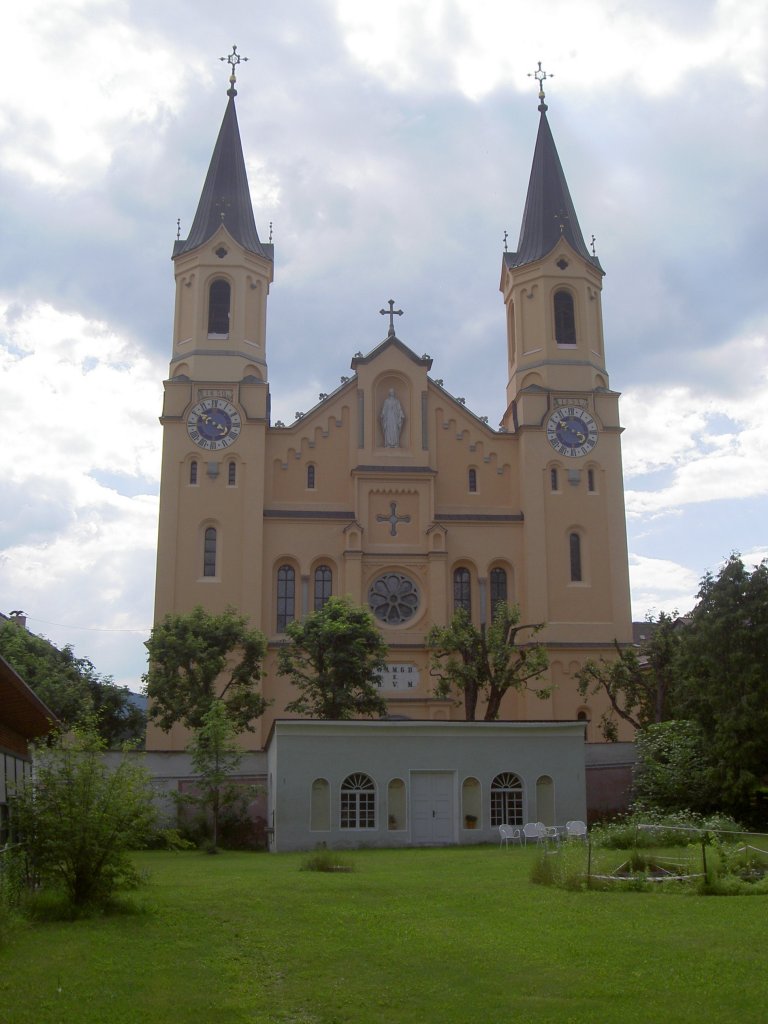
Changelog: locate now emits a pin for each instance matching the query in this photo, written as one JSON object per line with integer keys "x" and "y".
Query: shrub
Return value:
{"x": 327, "y": 860}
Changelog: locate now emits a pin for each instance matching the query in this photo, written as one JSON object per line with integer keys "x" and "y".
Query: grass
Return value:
{"x": 456, "y": 936}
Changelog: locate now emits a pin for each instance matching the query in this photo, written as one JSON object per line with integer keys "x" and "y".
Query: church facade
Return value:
{"x": 390, "y": 490}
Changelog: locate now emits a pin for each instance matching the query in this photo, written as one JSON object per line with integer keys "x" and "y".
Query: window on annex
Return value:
{"x": 470, "y": 802}
{"x": 193, "y": 471}
{"x": 310, "y": 477}
{"x": 472, "y": 481}
{"x": 545, "y": 800}
{"x": 286, "y": 596}
{"x": 232, "y": 474}
{"x": 323, "y": 585}
{"x": 498, "y": 589}
{"x": 320, "y": 809}
{"x": 396, "y": 818}
{"x": 358, "y": 802}
{"x": 462, "y": 590}
{"x": 219, "y": 296}
{"x": 565, "y": 318}
{"x": 574, "y": 543}
{"x": 506, "y": 800}
{"x": 209, "y": 552}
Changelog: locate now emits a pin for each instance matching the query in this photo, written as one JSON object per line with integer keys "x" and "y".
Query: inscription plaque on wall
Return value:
{"x": 399, "y": 676}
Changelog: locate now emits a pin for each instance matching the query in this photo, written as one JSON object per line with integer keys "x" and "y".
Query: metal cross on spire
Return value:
{"x": 541, "y": 77}
{"x": 233, "y": 60}
{"x": 391, "y": 313}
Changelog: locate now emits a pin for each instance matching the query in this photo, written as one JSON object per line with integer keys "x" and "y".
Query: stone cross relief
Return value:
{"x": 393, "y": 519}
{"x": 392, "y": 419}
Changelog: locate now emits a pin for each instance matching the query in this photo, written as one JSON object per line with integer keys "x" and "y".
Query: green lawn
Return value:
{"x": 455, "y": 936}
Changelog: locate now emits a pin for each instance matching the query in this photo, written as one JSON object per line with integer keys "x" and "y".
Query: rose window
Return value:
{"x": 393, "y": 598}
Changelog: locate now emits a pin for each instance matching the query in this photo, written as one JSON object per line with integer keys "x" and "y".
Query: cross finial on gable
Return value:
{"x": 391, "y": 313}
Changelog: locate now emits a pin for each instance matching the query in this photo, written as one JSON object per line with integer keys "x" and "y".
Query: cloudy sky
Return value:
{"x": 390, "y": 146}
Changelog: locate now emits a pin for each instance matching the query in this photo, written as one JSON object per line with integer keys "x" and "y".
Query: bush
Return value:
{"x": 327, "y": 860}
{"x": 626, "y": 833}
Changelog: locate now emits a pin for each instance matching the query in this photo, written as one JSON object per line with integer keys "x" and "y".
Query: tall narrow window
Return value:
{"x": 462, "y": 591}
{"x": 311, "y": 477}
{"x": 232, "y": 474}
{"x": 591, "y": 480}
{"x": 565, "y": 319}
{"x": 358, "y": 802}
{"x": 286, "y": 596}
{"x": 209, "y": 552}
{"x": 553, "y": 479}
{"x": 506, "y": 800}
{"x": 218, "y": 308}
{"x": 193, "y": 471}
{"x": 323, "y": 582}
{"x": 498, "y": 589}
{"x": 320, "y": 807}
{"x": 473, "y": 481}
{"x": 575, "y": 549}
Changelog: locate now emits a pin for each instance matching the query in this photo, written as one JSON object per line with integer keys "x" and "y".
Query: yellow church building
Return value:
{"x": 391, "y": 490}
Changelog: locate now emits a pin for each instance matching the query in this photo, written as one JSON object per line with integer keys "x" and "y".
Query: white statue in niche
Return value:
{"x": 392, "y": 418}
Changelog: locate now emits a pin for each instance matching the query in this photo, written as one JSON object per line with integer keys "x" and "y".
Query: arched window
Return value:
{"x": 286, "y": 596}
{"x": 591, "y": 480}
{"x": 311, "y": 477}
{"x": 193, "y": 471}
{"x": 396, "y": 813}
{"x": 506, "y": 800}
{"x": 565, "y": 319}
{"x": 320, "y": 809}
{"x": 553, "y": 481}
{"x": 218, "y": 308}
{"x": 472, "y": 481}
{"x": 323, "y": 584}
{"x": 545, "y": 800}
{"x": 209, "y": 552}
{"x": 462, "y": 591}
{"x": 358, "y": 802}
{"x": 498, "y": 589}
{"x": 574, "y": 542}
{"x": 470, "y": 802}
{"x": 232, "y": 474}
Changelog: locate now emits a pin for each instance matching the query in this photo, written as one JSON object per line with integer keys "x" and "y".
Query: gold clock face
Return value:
{"x": 572, "y": 431}
{"x": 214, "y": 424}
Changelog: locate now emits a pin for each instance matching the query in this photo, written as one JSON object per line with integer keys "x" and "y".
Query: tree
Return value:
{"x": 334, "y": 658}
{"x": 215, "y": 757}
{"x": 673, "y": 772}
{"x": 71, "y": 687}
{"x": 640, "y": 684}
{"x": 78, "y": 818}
{"x": 486, "y": 662}
{"x": 188, "y": 653}
{"x": 724, "y": 681}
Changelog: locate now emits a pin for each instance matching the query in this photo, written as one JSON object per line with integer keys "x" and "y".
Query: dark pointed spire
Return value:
{"x": 549, "y": 212}
{"x": 225, "y": 198}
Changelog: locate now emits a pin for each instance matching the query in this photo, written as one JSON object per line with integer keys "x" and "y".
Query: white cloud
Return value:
{"x": 478, "y": 45}
{"x": 660, "y": 585}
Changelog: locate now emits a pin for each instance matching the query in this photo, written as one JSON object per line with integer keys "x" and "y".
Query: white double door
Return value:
{"x": 433, "y": 815}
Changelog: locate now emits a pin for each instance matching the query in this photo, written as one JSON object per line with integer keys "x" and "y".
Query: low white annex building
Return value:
{"x": 410, "y": 783}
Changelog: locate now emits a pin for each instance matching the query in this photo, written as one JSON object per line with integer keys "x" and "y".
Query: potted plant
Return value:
{"x": 470, "y": 820}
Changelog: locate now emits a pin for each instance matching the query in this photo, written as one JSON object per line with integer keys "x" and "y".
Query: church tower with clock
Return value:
{"x": 390, "y": 490}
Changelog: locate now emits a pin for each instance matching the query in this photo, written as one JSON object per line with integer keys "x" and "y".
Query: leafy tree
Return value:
{"x": 78, "y": 818}
{"x": 187, "y": 655}
{"x": 215, "y": 757}
{"x": 724, "y": 680}
{"x": 334, "y": 658}
{"x": 673, "y": 771}
{"x": 70, "y": 686}
{"x": 640, "y": 684}
{"x": 486, "y": 662}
